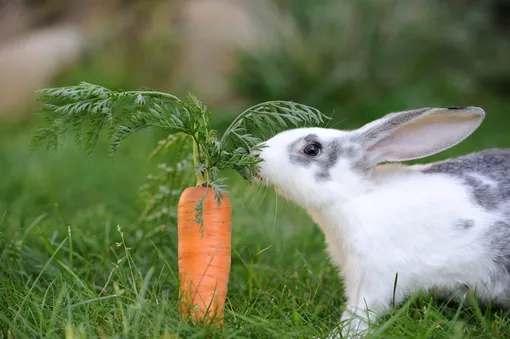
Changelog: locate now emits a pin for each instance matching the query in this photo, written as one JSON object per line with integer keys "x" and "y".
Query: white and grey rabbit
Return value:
{"x": 443, "y": 227}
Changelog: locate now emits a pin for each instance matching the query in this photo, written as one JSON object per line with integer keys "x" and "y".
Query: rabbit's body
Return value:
{"x": 442, "y": 237}
{"x": 442, "y": 227}
{"x": 441, "y": 234}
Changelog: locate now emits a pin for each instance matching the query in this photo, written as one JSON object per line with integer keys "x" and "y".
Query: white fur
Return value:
{"x": 388, "y": 220}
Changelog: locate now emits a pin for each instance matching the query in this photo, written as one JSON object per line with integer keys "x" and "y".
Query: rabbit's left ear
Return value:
{"x": 416, "y": 134}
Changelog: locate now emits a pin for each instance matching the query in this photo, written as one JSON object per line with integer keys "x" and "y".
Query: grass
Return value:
{"x": 76, "y": 263}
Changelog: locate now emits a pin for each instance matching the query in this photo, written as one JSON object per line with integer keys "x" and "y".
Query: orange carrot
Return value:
{"x": 204, "y": 253}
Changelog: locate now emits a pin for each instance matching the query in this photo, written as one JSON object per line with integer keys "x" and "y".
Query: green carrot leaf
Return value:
{"x": 87, "y": 109}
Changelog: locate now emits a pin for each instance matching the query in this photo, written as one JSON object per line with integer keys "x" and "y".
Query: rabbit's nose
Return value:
{"x": 255, "y": 151}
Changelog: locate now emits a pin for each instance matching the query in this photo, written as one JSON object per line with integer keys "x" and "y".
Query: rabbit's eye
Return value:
{"x": 312, "y": 150}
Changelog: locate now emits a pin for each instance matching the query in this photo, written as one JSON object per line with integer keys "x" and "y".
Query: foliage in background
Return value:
{"x": 161, "y": 190}
{"x": 353, "y": 54}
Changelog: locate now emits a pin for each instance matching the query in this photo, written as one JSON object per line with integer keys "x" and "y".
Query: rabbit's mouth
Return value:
{"x": 261, "y": 176}
{"x": 258, "y": 177}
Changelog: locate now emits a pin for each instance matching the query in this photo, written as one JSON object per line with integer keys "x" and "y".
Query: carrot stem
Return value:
{"x": 155, "y": 93}
{"x": 201, "y": 180}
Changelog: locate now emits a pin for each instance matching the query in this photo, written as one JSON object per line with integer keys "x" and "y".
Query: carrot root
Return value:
{"x": 204, "y": 255}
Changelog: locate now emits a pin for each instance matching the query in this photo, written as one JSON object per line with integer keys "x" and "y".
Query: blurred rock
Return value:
{"x": 31, "y": 61}
{"x": 211, "y": 31}
{"x": 188, "y": 45}
{"x": 13, "y": 19}
{"x": 40, "y": 40}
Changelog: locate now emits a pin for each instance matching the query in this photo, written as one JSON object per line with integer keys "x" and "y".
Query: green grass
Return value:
{"x": 74, "y": 261}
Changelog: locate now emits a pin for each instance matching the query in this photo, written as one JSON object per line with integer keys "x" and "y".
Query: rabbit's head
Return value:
{"x": 313, "y": 166}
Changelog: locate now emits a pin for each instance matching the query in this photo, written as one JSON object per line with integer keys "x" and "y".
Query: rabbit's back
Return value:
{"x": 487, "y": 176}
{"x": 486, "y": 173}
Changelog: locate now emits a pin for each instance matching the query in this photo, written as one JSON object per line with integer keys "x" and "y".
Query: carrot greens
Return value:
{"x": 87, "y": 109}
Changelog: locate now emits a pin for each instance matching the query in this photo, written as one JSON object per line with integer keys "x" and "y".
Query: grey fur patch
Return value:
{"x": 332, "y": 153}
{"x": 492, "y": 164}
{"x": 328, "y": 158}
{"x": 311, "y": 137}
{"x": 465, "y": 224}
{"x": 350, "y": 151}
{"x": 499, "y": 239}
{"x": 296, "y": 159}
{"x": 457, "y": 108}
{"x": 322, "y": 176}
{"x": 486, "y": 196}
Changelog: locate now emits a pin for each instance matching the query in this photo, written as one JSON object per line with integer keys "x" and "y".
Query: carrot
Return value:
{"x": 204, "y": 253}
{"x": 203, "y": 248}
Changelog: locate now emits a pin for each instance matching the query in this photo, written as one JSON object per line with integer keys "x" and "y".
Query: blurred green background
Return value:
{"x": 355, "y": 60}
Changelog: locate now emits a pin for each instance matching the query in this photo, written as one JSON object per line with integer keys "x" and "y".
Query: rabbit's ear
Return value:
{"x": 417, "y": 133}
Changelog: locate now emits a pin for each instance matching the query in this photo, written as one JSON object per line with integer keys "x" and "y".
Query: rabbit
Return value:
{"x": 443, "y": 227}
